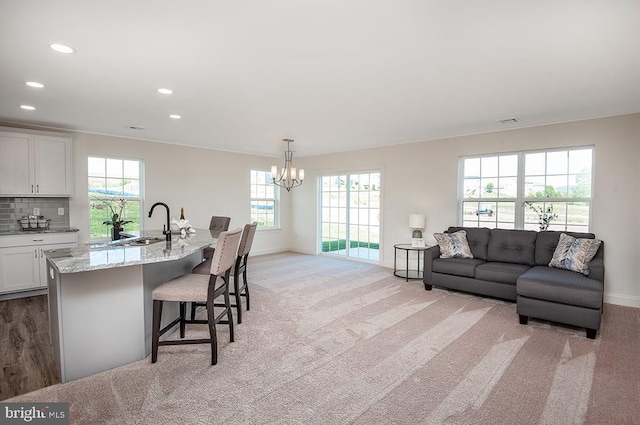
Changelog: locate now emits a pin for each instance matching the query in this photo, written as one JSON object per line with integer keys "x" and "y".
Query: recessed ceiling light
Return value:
{"x": 34, "y": 84}
{"x": 61, "y": 48}
{"x": 175, "y": 117}
{"x": 28, "y": 107}
{"x": 165, "y": 91}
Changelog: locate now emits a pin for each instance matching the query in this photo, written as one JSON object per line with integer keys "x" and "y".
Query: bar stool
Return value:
{"x": 217, "y": 224}
{"x": 240, "y": 288}
{"x": 198, "y": 288}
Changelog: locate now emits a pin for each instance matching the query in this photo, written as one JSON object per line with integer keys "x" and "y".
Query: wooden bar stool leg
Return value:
{"x": 183, "y": 308}
{"x": 246, "y": 287}
{"x": 155, "y": 335}
{"x": 193, "y": 310}
{"x": 227, "y": 303}
{"x": 211, "y": 320}
{"x": 236, "y": 290}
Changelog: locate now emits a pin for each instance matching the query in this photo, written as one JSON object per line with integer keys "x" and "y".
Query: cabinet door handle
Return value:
{"x": 38, "y": 240}
{"x": 35, "y": 252}
{"x": 37, "y": 188}
{"x": 31, "y": 188}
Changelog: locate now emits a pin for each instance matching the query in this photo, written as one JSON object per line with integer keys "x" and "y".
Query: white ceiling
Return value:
{"x": 334, "y": 75}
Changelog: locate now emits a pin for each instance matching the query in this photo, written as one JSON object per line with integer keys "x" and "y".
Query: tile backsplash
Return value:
{"x": 11, "y": 209}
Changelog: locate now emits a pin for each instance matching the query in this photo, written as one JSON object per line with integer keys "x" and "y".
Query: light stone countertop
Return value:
{"x": 126, "y": 252}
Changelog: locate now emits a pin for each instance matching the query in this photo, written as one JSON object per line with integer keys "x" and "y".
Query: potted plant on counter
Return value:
{"x": 115, "y": 208}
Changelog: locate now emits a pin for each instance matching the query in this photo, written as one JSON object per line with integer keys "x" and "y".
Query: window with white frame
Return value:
{"x": 350, "y": 214}
{"x": 522, "y": 190}
{"x": 264, "y": 200}
{"x": 115, "y": 188}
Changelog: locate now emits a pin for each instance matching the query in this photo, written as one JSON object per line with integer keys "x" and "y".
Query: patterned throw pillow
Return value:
{"x": 453, "y": 245}
{"x": 574, "y": 254}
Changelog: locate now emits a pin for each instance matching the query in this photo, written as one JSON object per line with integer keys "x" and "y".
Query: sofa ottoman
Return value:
{"x": 561, "y": 295}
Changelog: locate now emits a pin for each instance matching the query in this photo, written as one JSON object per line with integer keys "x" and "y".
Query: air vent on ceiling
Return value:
{"x": 509, "y": 120}
{"x": 135, "y": 127}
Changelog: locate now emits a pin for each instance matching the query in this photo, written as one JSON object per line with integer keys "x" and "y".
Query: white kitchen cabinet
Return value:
{"x": 52, "y": 166}
{"x": 19, "y": 268}
{"x": 35, "y": 163}
{"x": 16, "y": 166}
{"x": 23, "y": 265}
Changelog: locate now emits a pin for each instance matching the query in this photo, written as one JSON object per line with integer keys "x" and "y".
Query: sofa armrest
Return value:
{"x": 429, "y": 254}
{"x": 596, "y": 269}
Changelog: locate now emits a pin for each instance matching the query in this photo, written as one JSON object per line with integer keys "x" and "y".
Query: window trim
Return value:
{"x": 275, "y": 199}
{"x": 140, "y": 198}
{"x": 332, "y": 173}
{"x": 519, "y": 210}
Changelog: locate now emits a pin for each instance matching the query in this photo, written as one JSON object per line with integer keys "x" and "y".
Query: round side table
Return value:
{"x": 406, "y": 272}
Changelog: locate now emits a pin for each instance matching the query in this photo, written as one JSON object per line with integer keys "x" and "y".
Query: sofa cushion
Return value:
{"x": 512, "y": 246}
{"x": 456, "y": 266}
{"x": 574, "y": 254}
{"x": 478, "y": 239}
{"x": 560, "y": 286}
{"x": 500, "y": 272}
{"x": 453, "y": 245}
{"x": 547, "y": 241}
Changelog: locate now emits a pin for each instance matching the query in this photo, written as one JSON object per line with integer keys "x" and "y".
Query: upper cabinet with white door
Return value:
{"x": 34, "y": 163}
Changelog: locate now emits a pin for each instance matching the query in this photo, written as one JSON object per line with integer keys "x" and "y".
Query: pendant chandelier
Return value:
{"x": 289, "y": 177}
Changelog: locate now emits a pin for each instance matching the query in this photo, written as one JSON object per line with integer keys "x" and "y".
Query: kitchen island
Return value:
{"x": 100, "y": 306}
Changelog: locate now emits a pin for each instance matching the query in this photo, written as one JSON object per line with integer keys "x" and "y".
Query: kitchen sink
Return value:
{"x": 139, "y": 241}
{"x": 147, "y": 241}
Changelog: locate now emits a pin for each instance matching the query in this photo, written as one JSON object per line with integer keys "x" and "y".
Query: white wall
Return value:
{"x": 204, "y": 182}
{"x": 422, "y": 177}
{"x": 416, "y": 177}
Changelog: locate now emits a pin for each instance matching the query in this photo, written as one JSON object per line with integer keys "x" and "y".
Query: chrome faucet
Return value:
{"x": 166, "y": 230}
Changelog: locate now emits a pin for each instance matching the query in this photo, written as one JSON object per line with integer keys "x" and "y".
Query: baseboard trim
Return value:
{"x": 267, "y": 251}
{"x": 23, "y": 294}
{"x": 278, "y": 251}
{"x": 620, "y": 299}
{"x": 303, "y": 251}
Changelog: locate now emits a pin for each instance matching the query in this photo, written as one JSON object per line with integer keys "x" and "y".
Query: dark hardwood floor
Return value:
{"x": 26, "y": 363}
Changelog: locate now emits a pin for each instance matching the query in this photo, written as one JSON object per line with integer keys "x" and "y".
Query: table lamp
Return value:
{"x": 417, "y": 222}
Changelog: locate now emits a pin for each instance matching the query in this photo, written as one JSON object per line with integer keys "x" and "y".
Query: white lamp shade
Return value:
{"x": 417, "y": 221}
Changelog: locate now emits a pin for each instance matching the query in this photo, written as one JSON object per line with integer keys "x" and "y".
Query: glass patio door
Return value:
{"x": 350, "y": 215}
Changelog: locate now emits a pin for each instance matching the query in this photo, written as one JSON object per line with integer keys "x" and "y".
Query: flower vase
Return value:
{"x": 115, "y": 233}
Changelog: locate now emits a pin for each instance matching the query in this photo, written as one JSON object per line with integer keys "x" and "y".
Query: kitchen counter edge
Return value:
{"x": 113, "y": 255}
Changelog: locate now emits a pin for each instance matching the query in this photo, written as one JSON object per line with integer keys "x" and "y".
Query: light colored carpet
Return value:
{"x": 334, "y": 342}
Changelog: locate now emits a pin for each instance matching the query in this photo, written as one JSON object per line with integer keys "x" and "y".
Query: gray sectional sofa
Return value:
{"x": 513, "y": 265}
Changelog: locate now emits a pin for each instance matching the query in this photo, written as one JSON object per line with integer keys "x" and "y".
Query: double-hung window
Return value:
{"x": 115, "y": 187}
{"x": 490, "y": 189}
{"x": 518, "y": 190}
{"x": 264, "y": 200}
